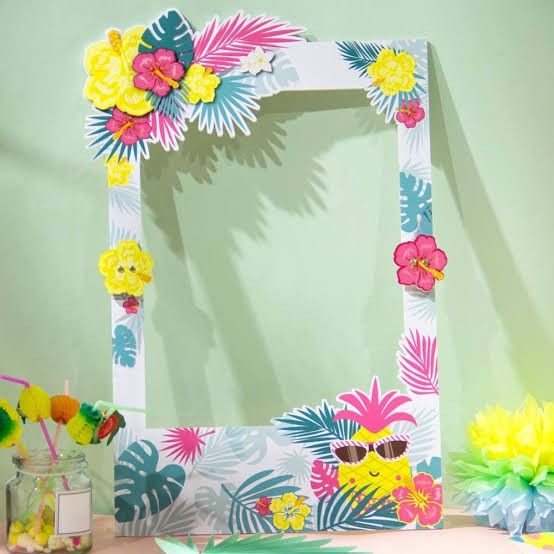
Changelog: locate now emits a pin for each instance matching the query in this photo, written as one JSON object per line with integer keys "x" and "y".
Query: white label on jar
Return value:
{"x": 73, "y": 512}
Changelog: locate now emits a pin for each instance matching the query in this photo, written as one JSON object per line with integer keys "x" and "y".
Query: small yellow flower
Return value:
{"x": 289, "y": 511}
{"x": 110, "y": 82}
{"x": 10, "y": 425}
{"x": 119, "y": 171}
{"x": 201, "y": 83}
{"x": 34, "y": 403}
{"x": 126, "y": 268}
{"x": 393, "y": 73}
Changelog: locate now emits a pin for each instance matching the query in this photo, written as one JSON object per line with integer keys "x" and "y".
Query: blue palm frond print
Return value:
{"x": 359, "y": 55}
{"x": 234, "y": 103}
{"x": 102, "y": 140}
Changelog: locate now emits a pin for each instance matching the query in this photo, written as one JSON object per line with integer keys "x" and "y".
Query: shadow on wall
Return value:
{"x": 529, "y": 344}
{"x": 181, "y": 189}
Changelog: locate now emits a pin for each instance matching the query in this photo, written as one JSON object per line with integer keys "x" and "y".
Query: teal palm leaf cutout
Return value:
{"x": 172, "y": 32}
{"x": 359, "y": 55}
{"x": 124, "y": 346}
{"x": 415, "y": 205}
{"x": 316, "y": 429}
{"x": 174, "y": 105}
{"x": 142, "y": 489}
{"x": 234, "y": 103}
{"x": 277, "y": 544}
{"x": 243, "y": 516}
{"x": 102, "y": 140}
{"x": 339, "y": 514}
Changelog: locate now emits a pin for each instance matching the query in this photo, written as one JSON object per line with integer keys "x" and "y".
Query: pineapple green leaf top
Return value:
{"x": 256, "y": 544}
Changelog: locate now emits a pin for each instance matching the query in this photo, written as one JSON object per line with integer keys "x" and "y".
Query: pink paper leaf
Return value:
{"x": 324, "y": 479}
{"x": 417, "y": 361}
{"x": 165, "y": 131}
{"x": 221, "y": 45}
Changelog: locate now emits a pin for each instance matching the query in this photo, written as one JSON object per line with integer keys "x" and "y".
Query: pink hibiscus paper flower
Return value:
{"x": 420, "y": 262}
{"x": 411, "y": 113}
{"x": 159, "y": 72}
{"x": 421, "y": 501}
{"x": 128, "y": 128}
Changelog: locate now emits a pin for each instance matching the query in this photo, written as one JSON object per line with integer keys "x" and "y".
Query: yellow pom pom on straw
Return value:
{"x": 34, "y": 403}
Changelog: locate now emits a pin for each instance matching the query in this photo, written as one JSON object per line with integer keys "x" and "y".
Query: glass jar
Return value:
{"x": 49, "y": 504}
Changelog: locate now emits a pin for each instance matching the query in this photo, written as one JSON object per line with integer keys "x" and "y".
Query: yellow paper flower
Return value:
{"x": 10, "y": 425}
{"x": 126, "y": 268}
{"x": 110, "y": 82}
{"x": 393, "y": 73}
{"x": 119, "y": 171}
{"x": 504, "y": 435}
{"x": 201, "y": 83}
{"x": 289, "y": 511}
{"x": 34, "y": 403}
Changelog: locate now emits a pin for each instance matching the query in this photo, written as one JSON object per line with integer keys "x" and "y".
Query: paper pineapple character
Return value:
{"x": 373, "y": 456}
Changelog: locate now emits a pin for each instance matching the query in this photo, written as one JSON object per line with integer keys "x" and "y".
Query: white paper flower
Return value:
{"x": 256, "y": 61}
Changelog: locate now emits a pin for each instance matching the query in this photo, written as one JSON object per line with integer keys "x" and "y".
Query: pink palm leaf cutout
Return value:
{"x": 221, "y": 45}
{"x": 184, "y": 444}
{"x": 165, "y": 131}
{"x": 324, "y": 479}
{"x": 417, "y": 361}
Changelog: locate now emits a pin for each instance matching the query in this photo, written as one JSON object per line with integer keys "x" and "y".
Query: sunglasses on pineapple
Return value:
{"x": 355, "y": 452}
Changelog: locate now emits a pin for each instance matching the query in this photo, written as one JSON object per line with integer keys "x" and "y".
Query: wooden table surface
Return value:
{"x": 460, "y": 535}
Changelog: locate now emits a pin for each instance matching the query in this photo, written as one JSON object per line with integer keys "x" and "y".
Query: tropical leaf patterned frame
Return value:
{"x": 284, "y": 476}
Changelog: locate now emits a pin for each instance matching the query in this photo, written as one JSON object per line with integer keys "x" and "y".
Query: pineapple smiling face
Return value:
{"x": 381, "y": 456}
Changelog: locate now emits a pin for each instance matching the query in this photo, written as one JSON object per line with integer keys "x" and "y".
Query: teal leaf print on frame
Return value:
{"x": 172, "y": 32}
{"x": 355, "y": 509}
{"x": 359, "y": 55}
{"x": 243, "y": 516}
{"x": 124, "y": 346}
{"x": 316, "y": 429}
{"x": 415, "y": 205}
{"x": 140, "y": 488}
{"x": 234, "y": 103}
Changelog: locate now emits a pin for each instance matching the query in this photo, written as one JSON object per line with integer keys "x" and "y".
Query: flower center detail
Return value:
{"x": 127, "y": 125}
{"x": 114, "y": 38}
{"x": 419, "y": 499}
{"x": 171, "y": 82}
{"x": 424, "y": 264}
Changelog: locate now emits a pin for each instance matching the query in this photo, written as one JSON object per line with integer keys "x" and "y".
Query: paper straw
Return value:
{"x": 16, "y": 380}
{"x": 119, "y": 407}
{"x": 50, "y": 444}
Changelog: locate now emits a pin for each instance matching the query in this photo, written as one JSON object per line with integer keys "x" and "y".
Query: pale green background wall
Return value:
{"x": 492, "y": 77}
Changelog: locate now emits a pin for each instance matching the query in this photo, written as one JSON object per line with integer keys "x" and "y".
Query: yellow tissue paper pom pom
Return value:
{"x": 505, "y": 435}
{"x": 34, "y": 403}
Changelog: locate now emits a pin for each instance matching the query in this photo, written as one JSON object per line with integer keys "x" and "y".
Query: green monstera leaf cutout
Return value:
{"x": 172, "y": 32}
{"x": 140, "y": 488}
